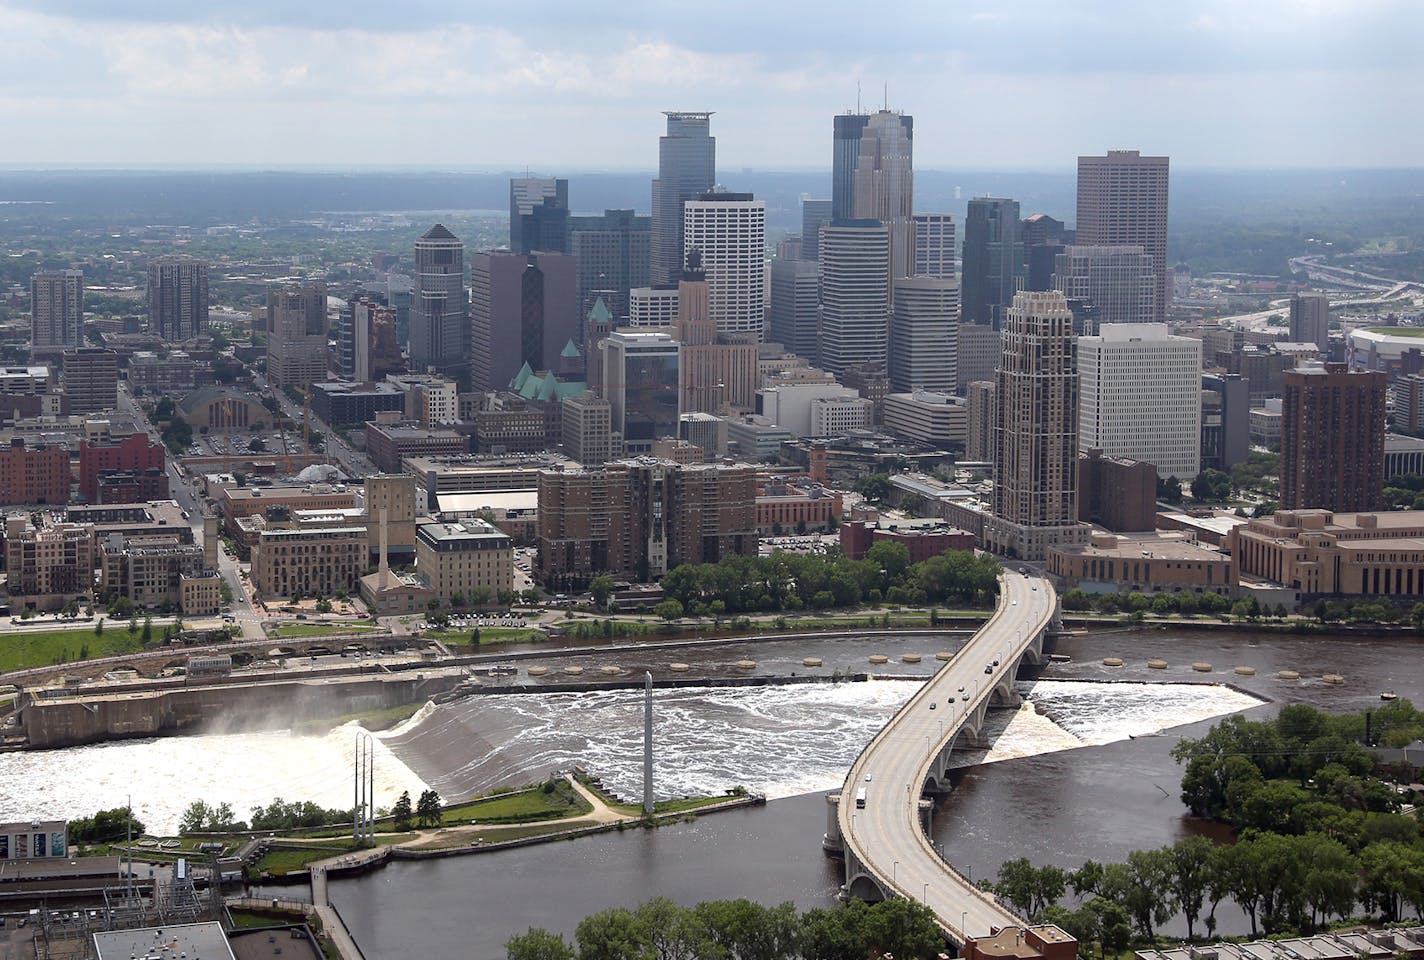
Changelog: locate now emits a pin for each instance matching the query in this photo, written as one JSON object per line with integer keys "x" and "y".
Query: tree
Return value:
{"x": 1169, "y": 490}
{"x": 106, "y": 826}
{"x": 147, "y": 634}
{"x": 538, "y": 944}
{"x": 1142, "y": 887}
{"x": 401, "y": 812}
{"x": 874, "y": 487}
{"x": 601, "y": 587}
{"x": 427, "y": 809}
{"x": 613, "y": 934}
{"x": 668, "y": 610}
{"x": 99, "y": 627}
{"x": 1191, "y": 871}
{"x": 748, "y": 931}
{"x": 323, "y": 605}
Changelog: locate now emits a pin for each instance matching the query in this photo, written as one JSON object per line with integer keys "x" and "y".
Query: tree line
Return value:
{"x": 793, "y": 581}
{"x": 740, "y": 930}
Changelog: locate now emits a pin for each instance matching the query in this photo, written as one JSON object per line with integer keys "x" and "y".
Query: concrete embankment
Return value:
{"x": 585, "y": 686}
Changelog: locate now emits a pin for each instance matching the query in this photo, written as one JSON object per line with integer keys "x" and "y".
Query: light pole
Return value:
{"x": 925, "y": 894}
{"x": 895, "y": 871}
{"x": 962, "y": 915}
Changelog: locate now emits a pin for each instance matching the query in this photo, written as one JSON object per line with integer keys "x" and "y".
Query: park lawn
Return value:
{"x": 523, "y": 805}
{"x": 282, "y": 860}
{"x": 488, "y": 636}
{"x": 320, "y": 629}
{"x": 20, "y": 649}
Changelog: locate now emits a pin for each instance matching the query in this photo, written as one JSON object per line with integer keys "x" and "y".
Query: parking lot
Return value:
{"x": 804, "y": 543}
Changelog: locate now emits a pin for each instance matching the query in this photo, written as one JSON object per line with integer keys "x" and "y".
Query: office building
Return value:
{"x": 1329, "y": 553}
{"x": 1226, "y": 422}
{"x": 91, "y": 379}
{"x": 1332, "y": 438}
{"x": 48, "y": 565}
{"x": 34, "y": 474}
{"x": 977, "y": 349}
{"x": 1036, "y": 434}
{"x": 538, "y": 215}
{"x": 1310, "y": 319}
{"x": 612, "y": 252}
{"x": 982, "y": 416}
{"x": 993, "y": 260}
{"x": 923, "y": 328}
{"x": 872, "y": 177}
{"x": 1043, "y": 239}
{"x": 934, "y": 418}
{"x": 296, "y": 334}
{"x": 438, "y": 338}
{"x": 588, "y": 429}
{"x": 794, "y": 406}
{"x": 366, "y": 342}
{"x": 719, "y": 370}
{"x": 639, "y": 519}
{"x": 642, "y": 383}
{"x": 56, "y": 312}
{"x": 1122, "y": 199}
{"x": 934, "y": 246}
{"x": 389, "y": 441}
{"x": 794, "y": 319}
{"x": 1117, "y": 281}
{"x": 523, "y": 310}
{"x": 464, "y": 561}
{"x": 855, "y": 294}
{"x": 687, "y": 168}
{"x": 729, "y": 230}
{"x": 1117, "y": 492}
{"x": 652, "y": 306}
{"x": 309, "y": 561}
{"x": 1139, "y": 397}
{"x": 815, "y": 214}
{"x": 177, "y": 296}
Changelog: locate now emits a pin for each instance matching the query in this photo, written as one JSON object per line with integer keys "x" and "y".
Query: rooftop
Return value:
{"x": 201, "y": 941}
{"x": 1160, "y": 546}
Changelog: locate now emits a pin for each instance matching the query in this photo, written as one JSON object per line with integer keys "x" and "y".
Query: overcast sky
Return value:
{"x": 578, "y": 85}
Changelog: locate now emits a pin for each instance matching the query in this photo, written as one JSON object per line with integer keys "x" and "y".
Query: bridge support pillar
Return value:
{"x": 831, "y": 841}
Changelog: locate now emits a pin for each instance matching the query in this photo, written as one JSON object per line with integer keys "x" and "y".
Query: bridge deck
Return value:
{"x": 885, "y": 837}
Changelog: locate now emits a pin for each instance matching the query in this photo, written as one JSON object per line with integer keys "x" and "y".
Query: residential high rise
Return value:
{"x": 983, "y": 415}
{"x": 296, "y": 334}
{"x": 1332, "y": 438}
{"x": 934, "y": 246}
{"x": 882, "y": 181}
{"x": 612, "y": 253}
{"x": 977, "y": 350}
{"x": 91, "y": 379}
{"x": 718, "y": 370}
{"x": 538, "y": 215}
{"x": 687, "y": 168}
{"x": 815, "y": 214}
{"x": 1310, "y": 319}
{"x": 587, "y": 429}
{"x": 923, "y": 332}
{"x": 1122, "y": 199}
{"x": 1139, "y": 397}
{"x": 795, "y": 306}
{"x": 729, "y": 231}
{"x": 1407, "y": 397}
{"x": 643, "y": 386}
{"x": 1117, "y": 280}
{"x": 855, "y": 294}
{"x": 439, "y": 339}
{"x": 1036, "y": 433}
{"x": 523, "y": 310}
{"x": 177, "y": 298}
{"x": 56, "y": 311}
{"x": 993, "y": 260}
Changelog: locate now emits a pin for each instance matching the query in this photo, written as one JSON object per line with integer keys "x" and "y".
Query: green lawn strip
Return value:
{"x": 524, "y": 806}
{"x": 320, "y": 629}
{"x": 488, "y": 636}
{"x": 659, "y": 807}
{"x": 21, "y": 649}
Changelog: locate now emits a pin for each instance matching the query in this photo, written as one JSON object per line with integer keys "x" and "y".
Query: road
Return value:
{"x": 885, "y": 836}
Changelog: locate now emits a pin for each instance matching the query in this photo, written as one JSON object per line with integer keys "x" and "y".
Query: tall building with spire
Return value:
{"x": 1122, "y": 199}
{"x": 438, "y": 335}
{"x": 873, "y": 177}
{"x": 687, "y": 168}
{"x": 1036, "y": 431}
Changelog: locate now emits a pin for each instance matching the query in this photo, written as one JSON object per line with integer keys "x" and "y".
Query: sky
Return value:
{"x": 578, "y": 85}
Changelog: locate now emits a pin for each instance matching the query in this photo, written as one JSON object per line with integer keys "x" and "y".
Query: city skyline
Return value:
{"x": 1210, "y": 84}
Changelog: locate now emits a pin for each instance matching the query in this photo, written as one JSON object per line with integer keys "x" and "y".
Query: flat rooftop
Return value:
{"x": 199, "y": 941}
{"x": 1158, "y": 547}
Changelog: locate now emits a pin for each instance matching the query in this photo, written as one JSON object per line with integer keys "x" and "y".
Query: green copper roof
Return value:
{"x": 570, "y": 350}
{"x": 600, "y": 312}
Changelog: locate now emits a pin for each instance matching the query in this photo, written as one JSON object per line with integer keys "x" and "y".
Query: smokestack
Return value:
{"x": 384, "y": 568}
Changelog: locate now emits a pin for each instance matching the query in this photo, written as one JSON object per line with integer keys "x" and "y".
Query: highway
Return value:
{"x": 885, "y": 836}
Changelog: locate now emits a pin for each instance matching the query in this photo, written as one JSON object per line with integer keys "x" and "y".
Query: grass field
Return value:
{"x": 320, "y": 629}
{"x": 488, "y": 636}
{"x": 20, "y": 648}
{"x": 561, "y": 803}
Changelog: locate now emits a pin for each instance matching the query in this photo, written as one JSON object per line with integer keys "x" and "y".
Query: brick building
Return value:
{"x": 1117, "y": 493}
{"x": 1153, "y": 563}
{"x": 1332, "y": 438}
{"x": 309, "y": 561}
{"x": 1317, "y": 552}
{"x": 49, "y": 565}
{"x": 388, "y": 442}
{"x": 782, "y": 505}
{"x": 923, "y": 538}
{"x": 134, "y": 454}
{"x": 640, "y": 518}
{"x": 33, "y": 476}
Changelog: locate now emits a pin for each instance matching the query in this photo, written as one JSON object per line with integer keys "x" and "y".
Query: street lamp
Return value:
{"x": 962, "y": 915}
{"x": 925, "y": 894}
{"x": 894, "y": 871}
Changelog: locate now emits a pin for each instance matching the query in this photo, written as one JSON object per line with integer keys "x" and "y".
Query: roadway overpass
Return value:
{"x": 887, "y": 852}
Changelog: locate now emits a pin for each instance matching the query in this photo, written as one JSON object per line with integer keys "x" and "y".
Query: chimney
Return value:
{"x": 384, "y": 569}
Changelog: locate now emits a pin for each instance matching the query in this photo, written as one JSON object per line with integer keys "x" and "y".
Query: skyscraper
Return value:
{"x": 642, "y": 384}
{"x": 1310, "y": 319}
{"x": 296, "y": 334}
{"x": 993, "y": 260}
{"x": 923, "y": 329}
{"x": 1118, "y": 280}
{"x": 1036, "y": 432}
{"x": 538, "y": 215}
{"x": 718, "y": 370}
{"x": 687, "y": 168}
{"x": 814, "y": 215}
{"x": 1332, "y": 438}
{"x": 729, "y": 231}
{"x": 523, "y": 310}
{"x": 1122, "y": 198}
{"x": 91, "y": 379}
{"x": 855, "y": 293}
{"x": 1140, "y": 396}
{"x": 612, "y": 253}
{"x": 438, "y": 338}
{"x": 795, "y": 306}
{"x": 872, "y": 177}
{"x": 56, "y": 311}
{"x": 934, "y": 246}
{"x": 177, "y": 298}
